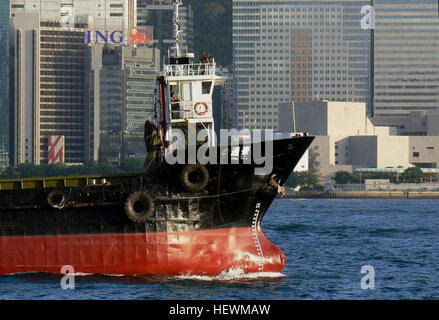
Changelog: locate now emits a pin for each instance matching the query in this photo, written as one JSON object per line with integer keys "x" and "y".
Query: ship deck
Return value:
{"x": 65, "y": 182}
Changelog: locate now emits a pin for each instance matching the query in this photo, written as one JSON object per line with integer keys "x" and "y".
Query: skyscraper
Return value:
{"x": 50, "y": 71}
{"x": 318, "y": 50}
{"x": 406, "y": 57}
{"x": 228, "y": 114}
{"x": 4, "y": 84}
{"x": 121, "y": 98}
{"x": 99, "y": 14}
{"x": 296, "y": 51}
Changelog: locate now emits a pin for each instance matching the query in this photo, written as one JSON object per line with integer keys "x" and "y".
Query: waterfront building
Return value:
{"x": 424, "y": 151}
{"x": 416, "y": 123}
{"x": 347, "y": 139}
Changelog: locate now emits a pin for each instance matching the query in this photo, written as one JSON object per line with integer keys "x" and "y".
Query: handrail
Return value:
{"x": 200, "y": 69}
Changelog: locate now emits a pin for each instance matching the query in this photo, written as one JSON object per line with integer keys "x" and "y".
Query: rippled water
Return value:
{"x": 326, "y": 243}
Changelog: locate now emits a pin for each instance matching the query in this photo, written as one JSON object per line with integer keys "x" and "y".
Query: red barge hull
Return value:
{"x": 207, "y": 252}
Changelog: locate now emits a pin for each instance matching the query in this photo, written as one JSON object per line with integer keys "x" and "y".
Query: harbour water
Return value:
{"x": 326, "y": 242}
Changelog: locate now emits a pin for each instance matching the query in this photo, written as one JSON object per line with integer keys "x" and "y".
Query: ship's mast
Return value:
{"x": 184, "y": 91}
{"x": 177, "y": 28}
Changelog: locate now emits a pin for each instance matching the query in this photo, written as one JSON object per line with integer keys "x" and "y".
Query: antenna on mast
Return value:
{"x": 177, "y": 27}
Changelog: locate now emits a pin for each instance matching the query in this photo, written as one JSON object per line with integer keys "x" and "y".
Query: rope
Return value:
{"x": 211, "y": 196}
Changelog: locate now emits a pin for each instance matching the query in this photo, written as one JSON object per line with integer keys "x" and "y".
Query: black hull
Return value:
{"x": 229, "y": 200}
{"x": 206, "y": 233}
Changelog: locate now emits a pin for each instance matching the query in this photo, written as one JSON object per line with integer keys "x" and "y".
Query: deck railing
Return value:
{"x": 200, "y": 69}
{"x": 405, "y": 187}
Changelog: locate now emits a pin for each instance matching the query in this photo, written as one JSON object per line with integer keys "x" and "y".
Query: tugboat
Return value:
{"x": 187, "y": 217}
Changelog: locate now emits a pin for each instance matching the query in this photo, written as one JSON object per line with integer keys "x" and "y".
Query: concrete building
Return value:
{"x": 301, "y": 51}
{"x": 424, "y": 151}
{"x": 328, "y": 118}
{"x": 98, "y": 14}
{"x": 346, "y": 139}
{"x": 406, "y": 57}
{"x": 378, "y": 151}
{"x": 121, "y": 98}
{"x": 433, "y": 123}
{"x": 417, "y": 123}
{"x": 4, "y": 84}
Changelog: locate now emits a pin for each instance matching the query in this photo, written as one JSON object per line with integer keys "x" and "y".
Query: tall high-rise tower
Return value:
{"x": 406, "y": 57}
{"x": 320, "y": 50}
{"x": 4, "y": 84}
{"x": 296, "y": 51}
{"x": 50, "y": 73}
{"x": 121, "y": 98}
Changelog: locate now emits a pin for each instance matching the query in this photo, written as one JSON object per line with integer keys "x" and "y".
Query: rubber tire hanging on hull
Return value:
{"x": 195, "y": 172}
{"x": 56, "y": 199}
{"x": 139, "y": 206}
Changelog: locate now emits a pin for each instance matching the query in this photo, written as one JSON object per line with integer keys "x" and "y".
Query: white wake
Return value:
{"x": 232, "y": 274}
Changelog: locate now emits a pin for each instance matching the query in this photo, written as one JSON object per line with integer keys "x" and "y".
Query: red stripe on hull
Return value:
{"x": 207, "y": 252}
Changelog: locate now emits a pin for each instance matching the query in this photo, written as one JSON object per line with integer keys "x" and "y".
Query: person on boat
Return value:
{"x": 153, "y": 145}
{"x": 175, "y": 106}
{"x": 203, "y": 57}
{"x": 203, "y": 61}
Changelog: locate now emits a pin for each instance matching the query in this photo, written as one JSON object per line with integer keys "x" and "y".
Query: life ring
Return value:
{"x": 194, "y": 178}
{"x": 201, "y": 108}
{"x": 57, "y": 199}
{"x": 139, "y": 206}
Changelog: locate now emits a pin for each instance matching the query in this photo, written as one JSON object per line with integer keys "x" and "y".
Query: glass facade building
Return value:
{"x": 4, "y": 83}
{"x": 62, "y": 90}
{"x": 110, "y": 114}
{"x": 298, "y": 51}
{"x": 121, "y": 97}
{"x": 406, "y": 57}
